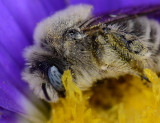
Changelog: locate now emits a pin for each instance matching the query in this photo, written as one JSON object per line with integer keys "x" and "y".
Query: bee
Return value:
{"x": 92, "y": 47}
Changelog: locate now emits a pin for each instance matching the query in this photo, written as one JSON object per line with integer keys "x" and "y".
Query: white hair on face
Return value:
{"x": 35, "y": 82}
{"x": 61, "y": 20}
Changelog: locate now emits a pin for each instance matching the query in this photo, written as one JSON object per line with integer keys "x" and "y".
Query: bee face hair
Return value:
{"x": 74, "y": 39}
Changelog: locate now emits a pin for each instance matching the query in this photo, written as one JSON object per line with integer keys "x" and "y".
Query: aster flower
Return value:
{"x": 17, "y": 22}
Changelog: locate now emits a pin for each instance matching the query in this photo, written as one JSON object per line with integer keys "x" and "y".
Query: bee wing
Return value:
{"x": 122, "y": 15}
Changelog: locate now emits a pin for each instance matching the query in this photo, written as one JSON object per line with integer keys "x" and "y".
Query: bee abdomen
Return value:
{"x": 154, "y": 36}
{"x": 150, "y": 37}
{"x": 148, "y": 31}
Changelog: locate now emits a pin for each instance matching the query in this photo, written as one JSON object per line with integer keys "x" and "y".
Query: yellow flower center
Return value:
{"x": 126, "y": 100}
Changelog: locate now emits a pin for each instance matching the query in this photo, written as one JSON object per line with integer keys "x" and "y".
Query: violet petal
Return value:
{"x": 101, "y": 6}
{"x": 17, "y": 22}
{"x": 7, "y": 116}
{"x": 28, "y": 13}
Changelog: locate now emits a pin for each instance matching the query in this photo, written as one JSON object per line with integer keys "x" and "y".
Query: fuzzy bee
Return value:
{"x": 92, "y": 47}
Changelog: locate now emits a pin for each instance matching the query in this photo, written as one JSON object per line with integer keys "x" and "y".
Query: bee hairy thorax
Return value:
{"x": 125, "y": 48}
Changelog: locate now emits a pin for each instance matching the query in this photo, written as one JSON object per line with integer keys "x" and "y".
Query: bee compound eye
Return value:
{"x": 55, "y": 78}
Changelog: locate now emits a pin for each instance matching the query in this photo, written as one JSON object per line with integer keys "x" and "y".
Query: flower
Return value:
{"x": 18, "y": 19}
{"x": 138, "y": 104}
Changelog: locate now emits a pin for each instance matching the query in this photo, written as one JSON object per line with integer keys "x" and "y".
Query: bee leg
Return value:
{"x": 45, "y": 91}
{"x": 144, "y": 77}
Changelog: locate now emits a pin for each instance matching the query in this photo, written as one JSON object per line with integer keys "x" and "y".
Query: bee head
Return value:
{"x": 54, "y": 51}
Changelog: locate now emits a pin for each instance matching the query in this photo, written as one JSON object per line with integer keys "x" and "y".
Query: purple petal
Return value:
{"x": 138, "y": 2}
{"x": 10, "y": 98}
{"x": 7, "y": 116}
{"x": 11, "y": 117}
{"x": 9, "y": 68}
{"x": 28, "y": 13}
{"x": 101, "y": 6}
{"x": 13, "y": 100}
{"x": 17, "y": 22}
{"x": 12, "y": 38}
